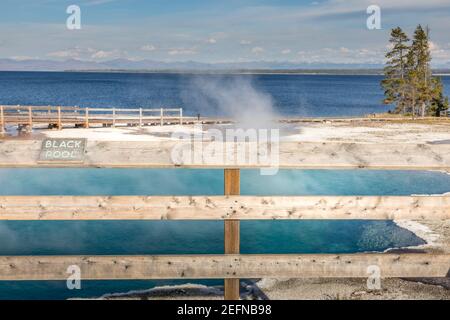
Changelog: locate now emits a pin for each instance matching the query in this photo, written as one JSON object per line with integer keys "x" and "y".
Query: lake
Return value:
{"x": 299, "y": 95}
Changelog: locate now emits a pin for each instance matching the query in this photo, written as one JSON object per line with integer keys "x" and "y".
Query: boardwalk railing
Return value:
{"x": 231, "y": 208}
{"x": 58, "y": 117}
{"x": 25, "y": 117}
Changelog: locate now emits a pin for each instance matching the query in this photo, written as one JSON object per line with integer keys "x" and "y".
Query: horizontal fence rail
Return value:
{"x": 298, "y": 155}
{"x": 224, "y": 266}
{"x": 231, "y": 208}
{"x": 58, "y": 117}
{"x": 223, "y": 207}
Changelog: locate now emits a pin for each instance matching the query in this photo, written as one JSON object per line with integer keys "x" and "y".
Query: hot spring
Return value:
{"x": 196, "y": 237}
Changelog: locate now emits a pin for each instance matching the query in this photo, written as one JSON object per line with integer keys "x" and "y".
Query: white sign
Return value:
{"x": 63, "y": 150}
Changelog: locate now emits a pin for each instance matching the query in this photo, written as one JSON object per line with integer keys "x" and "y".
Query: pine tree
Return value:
{"x": 421, "y": 50}
{"x": 395, "y": 72}
{"x": 439, "y": 103}
{"x": 408, "y": 82}
{"x": 412, "y": 83}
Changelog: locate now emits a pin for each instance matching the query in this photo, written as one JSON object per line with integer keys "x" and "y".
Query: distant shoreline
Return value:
{"x": 216, "y": 72}
{"x": 234, "y": 72}
{"x": 324, "y": 72}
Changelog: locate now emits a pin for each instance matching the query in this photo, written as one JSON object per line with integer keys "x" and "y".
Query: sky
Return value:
{"x": 212, "y": 31}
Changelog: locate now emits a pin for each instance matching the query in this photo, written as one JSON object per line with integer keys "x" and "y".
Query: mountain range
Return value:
{"x": 125, "y": 64}
{"x": 152, "y": 65}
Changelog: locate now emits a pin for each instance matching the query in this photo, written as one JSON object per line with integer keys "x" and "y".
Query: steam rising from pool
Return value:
{"x": 234, "y": 97}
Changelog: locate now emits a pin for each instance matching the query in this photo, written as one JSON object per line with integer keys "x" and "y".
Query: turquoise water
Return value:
{"x": 196, "y": 237}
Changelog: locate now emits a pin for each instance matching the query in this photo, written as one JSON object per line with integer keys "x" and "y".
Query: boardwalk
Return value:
{"x": 29, "y": 117}
{"x": 26, "y": 117}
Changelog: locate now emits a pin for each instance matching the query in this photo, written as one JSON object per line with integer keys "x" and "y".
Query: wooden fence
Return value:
{"x": 231, "y": 208}
{"x": 26, "y": 117}
{"x": 58, "y": 117}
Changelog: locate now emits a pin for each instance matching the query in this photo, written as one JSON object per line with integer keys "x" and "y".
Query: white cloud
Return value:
{"x": 23, "y": 58}
{"x": 102, "y": 54}
{"x": 182, "y": 51}
{"x": 97, "y": 2}
{"x": 72, "y": 53}
{"x": 257, "y": 50}
{"x": 86, "y": 53}
{"x": 245, "y": 42}
{"x": 286, "y": 51}
{"x": 338, "y": 7}
{"x": 342, "y": 55}
{"x": 433, "y": 46}
{"x": 64, "y": 54}
{"x": 440, "y": 52}
{"x": 211, "y": 41}
{"x": 148, "y": 47}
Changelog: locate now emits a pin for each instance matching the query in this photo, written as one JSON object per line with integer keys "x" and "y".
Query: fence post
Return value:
{"x": 231, "y": 231}
{"x": 181, "y": 115}
{"x": 162, "y": 117}
{"x": 114, "y": 117}
{"x": 140, "y": 117}
{"x": 59, "y": 119}
{"x": 2, "y": 121}
{"x": 86, "y": 118}
{"x": 30, "y": 118}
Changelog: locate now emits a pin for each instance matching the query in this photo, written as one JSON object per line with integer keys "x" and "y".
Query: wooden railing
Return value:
{"x": 231, "y": 208}
{"x": 229, "y": 266}
{"x": 58, "y": 117}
